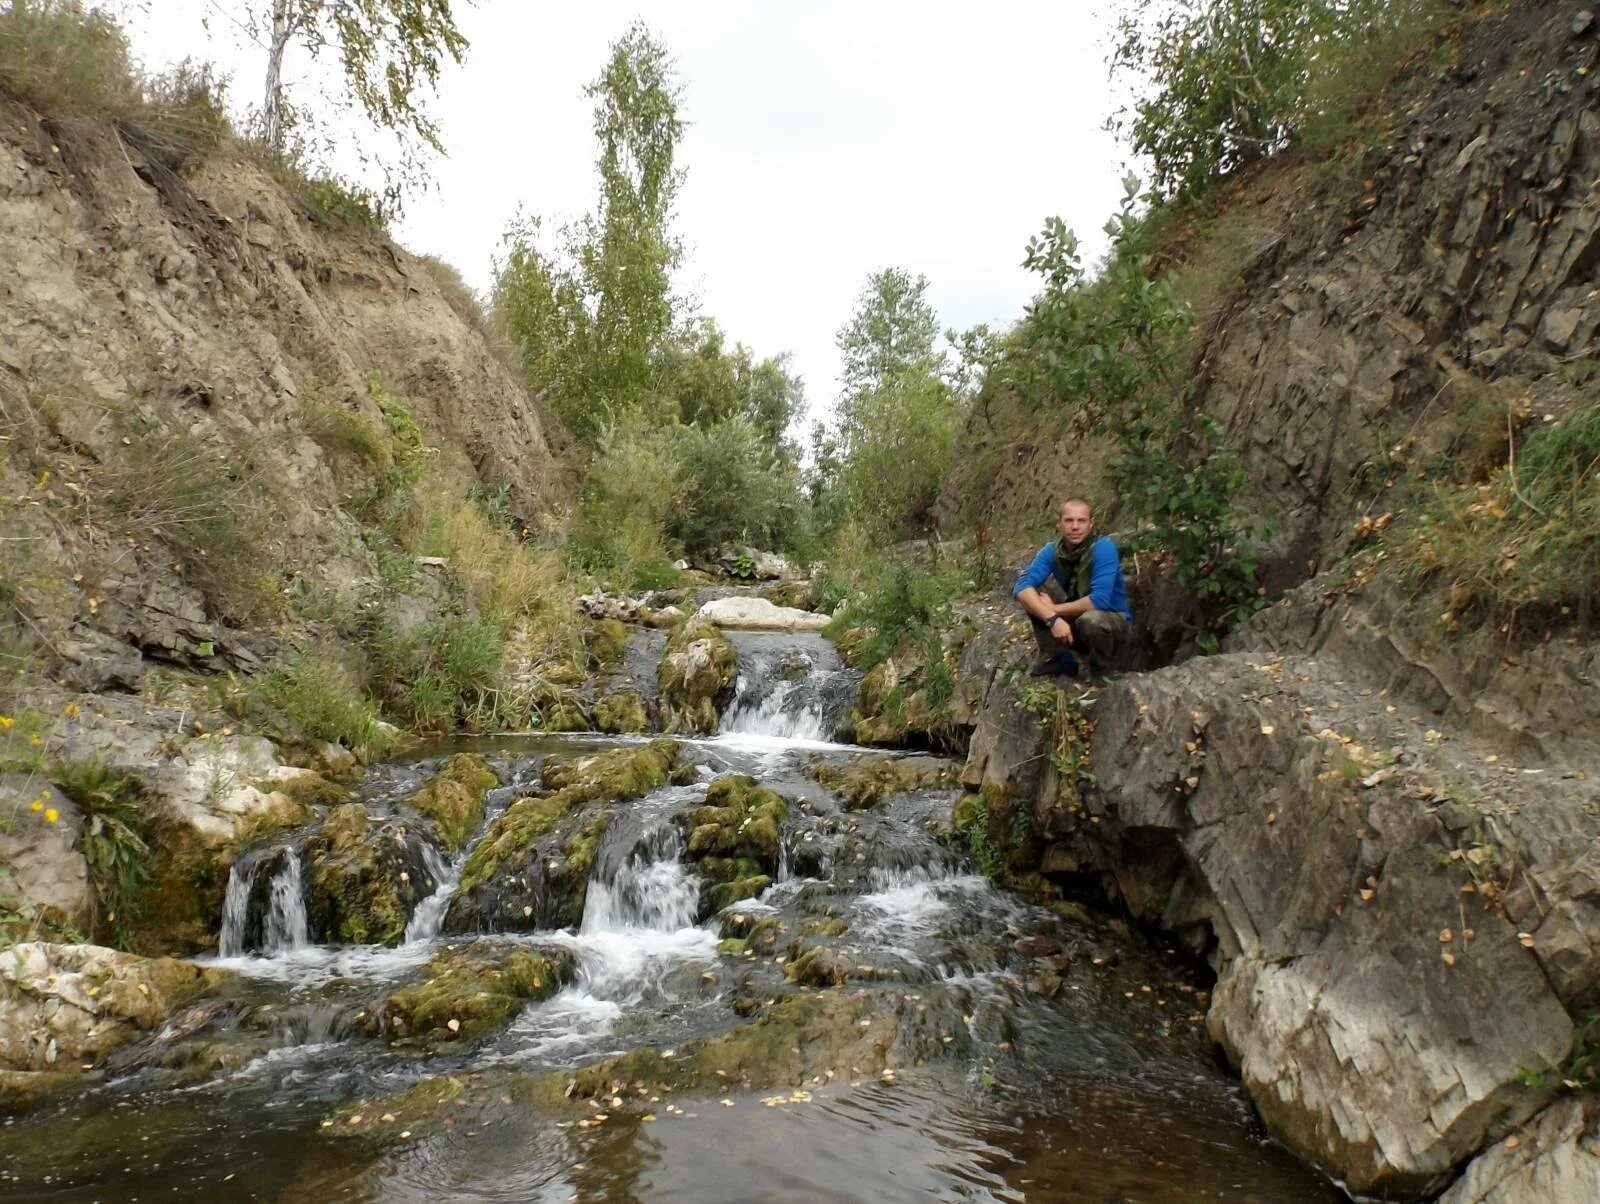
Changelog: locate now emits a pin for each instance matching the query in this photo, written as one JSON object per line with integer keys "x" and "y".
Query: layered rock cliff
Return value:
{"x": 1377, "y": 822}
{"x": 201, "y": 375}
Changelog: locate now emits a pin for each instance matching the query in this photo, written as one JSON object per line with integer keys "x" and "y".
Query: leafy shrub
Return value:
{"x": 628, "y": 495}
{"x": 445, "y": 673}
{"x": 1235, "y": 80}
{"x": 346, "y": 203}
{"x": 1108, "y": 351}
{"x": 729, "y": 487}
{"x": 112, "y": 843}
{"x": 315, "y": 696}
{"x": 897, "y": 602}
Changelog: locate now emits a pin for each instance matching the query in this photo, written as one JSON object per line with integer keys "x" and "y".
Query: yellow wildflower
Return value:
{"x": 51, "y": 815}
{"x": 34, "y": 740}
{"x": 72, "y": 709}
{"x": 5, "y": 722}
{"x": 38, "y": 805}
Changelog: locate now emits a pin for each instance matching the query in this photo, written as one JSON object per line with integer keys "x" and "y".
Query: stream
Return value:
{"x": 1037, "y": 1056}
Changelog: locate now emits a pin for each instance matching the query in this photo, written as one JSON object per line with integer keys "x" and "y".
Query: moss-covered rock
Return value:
{"x": 468, "y": 992}
{"x": 565, "y": 715}
{"x": 70, "y": 1005}
{"x": 747, "y": 936}
{"x": 362, "y": 880}
{"x": 800, "y": 595}
{"x": 454, "y": 798}
{"x": 734, "y": 840}
{"x": 800, "y": 1037}
{"x": 820, "y": 966}
{"x": 866, "y": 781}
{"x": 696, "y": 676}
{"x": 622, "y": 713}
{"x": 605, "y": 640}
{"x": 531, "y": 869}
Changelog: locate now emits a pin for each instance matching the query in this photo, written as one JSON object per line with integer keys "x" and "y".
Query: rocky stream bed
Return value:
{"x": 745, "y": 964}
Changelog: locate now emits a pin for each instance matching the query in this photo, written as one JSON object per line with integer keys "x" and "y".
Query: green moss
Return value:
{"x": 564, "y": 716}
{"x": 867, "y": 781}
{"x": 454, "y": 798}
{"x": 623, "y": 713}
{"x": 800, "y": 1037}
{"x": 696, "y": 677}
{"x": 358, "y": 888}
{"x": 606, "y": 640}
{"x": 828, "y": 927}
{"x": 480, "y": 987}
{"x": 819, "y": 966}
{"x": 617, "y": 775}
{"x": 734, "y": 840}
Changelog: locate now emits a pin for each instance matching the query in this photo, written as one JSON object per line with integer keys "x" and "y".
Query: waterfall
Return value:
{"x": 236, "y": 906}
{"x": 789, "y": 687}
{"x": 429, "y": 916}
{"x": 263, "y": 913}
{"x": 286, "y": 927}
{"x": 650, "y": 890}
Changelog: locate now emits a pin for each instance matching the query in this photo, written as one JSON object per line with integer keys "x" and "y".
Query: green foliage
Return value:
{"x": 315, "y": 696}
{"x": 1235, "y": 80}
{"x": 1107, "y": 351}
{"x": 898, "y": 603}
{"x": 112, "y": 842}
{"x": 897, "y": 417}
{"x": 729, "y": 487}
{"x": 347, "y": 203}
{"x": 66, "y": 58}
{"x": 1525, "y": 544}
{"x": 700, "y": 381}
{"x": 589, "y": 320}
{"x": 630, "y": 493}
{"x": 445, "y": 673}
{"x": 388, "y": 502}
{"x": 388, "y": 50}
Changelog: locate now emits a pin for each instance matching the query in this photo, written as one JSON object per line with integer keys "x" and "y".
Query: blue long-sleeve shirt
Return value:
{"x": 1107, "y": 590}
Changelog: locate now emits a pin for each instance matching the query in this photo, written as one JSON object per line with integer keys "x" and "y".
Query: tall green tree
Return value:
{"x": 898, "y": 415}
{"x": 389, "y": 50}
{"x": 1233, "y": 80}
{"x": 591, "y": 318}
{"x": 702, "y": 381}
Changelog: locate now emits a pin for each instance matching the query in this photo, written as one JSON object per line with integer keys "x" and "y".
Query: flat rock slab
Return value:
{"x": 757, "y": 614}
{"x": 1554, "y": 1157}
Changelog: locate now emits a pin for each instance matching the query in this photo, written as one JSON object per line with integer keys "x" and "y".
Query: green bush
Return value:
{"x": 1108, "y": 351}
{"x": 444, "y": 674}
{"x": 315, "y": 696}
{"x": 1234, "y": 80}
{"x": 730, "y": 488}
{"x": 628, "y": 495}
{"x": 113, "y": 843}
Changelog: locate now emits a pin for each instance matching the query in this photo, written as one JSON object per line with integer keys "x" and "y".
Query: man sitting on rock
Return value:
{"x": 1075, "y": 596}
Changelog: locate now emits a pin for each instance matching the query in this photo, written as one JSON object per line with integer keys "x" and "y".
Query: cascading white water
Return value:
{"x": 427, "y": 919}
{"x": 650, "y": 890}
{"x": 287, "y": 927}
{"x": 236, "y": 907}
{"x": 788, "y": 688}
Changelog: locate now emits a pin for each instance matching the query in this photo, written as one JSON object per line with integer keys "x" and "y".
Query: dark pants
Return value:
{"x": 1098, "y": 636}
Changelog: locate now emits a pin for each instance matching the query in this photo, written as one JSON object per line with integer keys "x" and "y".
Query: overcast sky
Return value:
{"x": 825, "y": 140}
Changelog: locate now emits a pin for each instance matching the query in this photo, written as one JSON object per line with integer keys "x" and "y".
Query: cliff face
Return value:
{"x": 212, "y": 373}
{"x": 1379, "y": 826}
{"x": 1347, "y": 310}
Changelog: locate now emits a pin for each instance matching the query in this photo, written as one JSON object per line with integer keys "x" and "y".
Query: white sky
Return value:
{"x": 826, "y": 140}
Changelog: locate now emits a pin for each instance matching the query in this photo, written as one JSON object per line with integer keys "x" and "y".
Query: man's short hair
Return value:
{"x": 1078, "y": 501}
